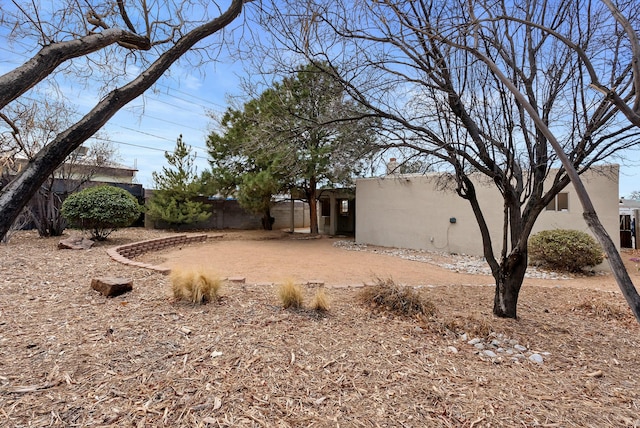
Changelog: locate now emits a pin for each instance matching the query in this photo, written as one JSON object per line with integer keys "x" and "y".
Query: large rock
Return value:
{"x": 75, "y": 243}
{"x": 111, "y": 286}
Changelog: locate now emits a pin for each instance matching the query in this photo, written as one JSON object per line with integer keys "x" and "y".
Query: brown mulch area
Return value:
{"x": 72, "y": 358}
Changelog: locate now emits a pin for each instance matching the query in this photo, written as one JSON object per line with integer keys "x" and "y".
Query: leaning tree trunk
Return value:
{"x": 617, "y": 266}
{"x": 509, "y": 279}
{"x": 18, "y": 193}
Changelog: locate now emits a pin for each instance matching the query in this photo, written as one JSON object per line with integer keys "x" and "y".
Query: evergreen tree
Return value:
{"x": 176, "y": 188}
{"x": 303, "y": 133}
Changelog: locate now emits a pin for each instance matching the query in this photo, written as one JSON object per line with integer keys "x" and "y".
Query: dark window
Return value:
{"x": 559, "y": 203}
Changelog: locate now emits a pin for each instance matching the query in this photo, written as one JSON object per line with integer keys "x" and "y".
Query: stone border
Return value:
{"x": 123, "y": 253}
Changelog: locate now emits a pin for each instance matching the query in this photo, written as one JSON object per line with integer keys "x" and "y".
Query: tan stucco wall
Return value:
{"x": 408, "y": 211}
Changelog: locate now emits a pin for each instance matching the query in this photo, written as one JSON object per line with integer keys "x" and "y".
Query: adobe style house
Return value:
{"x": 410, "y": 211}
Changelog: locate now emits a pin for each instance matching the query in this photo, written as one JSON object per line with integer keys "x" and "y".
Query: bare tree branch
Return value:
{"x": 17, "y": 82}
{"x": 19, "y": 191}
{"x": 125, "y": 16}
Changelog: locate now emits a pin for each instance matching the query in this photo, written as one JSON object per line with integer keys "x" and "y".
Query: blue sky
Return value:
{"x": 180, "y": 103}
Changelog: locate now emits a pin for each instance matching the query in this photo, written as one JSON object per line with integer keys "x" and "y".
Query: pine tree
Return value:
{"x": 177, "y": 186}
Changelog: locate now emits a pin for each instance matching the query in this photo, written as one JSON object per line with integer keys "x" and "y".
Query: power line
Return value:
{"x": 135, "y": 110}
{"x": 110, "y": 140}
{"x": 156, "y": 136}
{"x": 178, "y": 98}
{"x": 143, "y": 132}
{"x": 191, "y": 95}
{"x": 203, "y": 149}
{"x": 168, "y": 121}
{"x": 169, "y": 88}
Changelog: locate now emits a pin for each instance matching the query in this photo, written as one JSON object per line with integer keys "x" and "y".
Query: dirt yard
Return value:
{"x": 72, "y": 358}
{"x": 275, "y": 257}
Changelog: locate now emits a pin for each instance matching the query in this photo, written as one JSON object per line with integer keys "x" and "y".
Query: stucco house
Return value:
{"x": 411, "y": 211}
{"x": 111, "y": 173}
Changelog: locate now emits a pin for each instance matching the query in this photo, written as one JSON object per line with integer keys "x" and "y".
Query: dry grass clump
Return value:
{"x": 405, "y": 301}
{"x": 290, "y": 295}
{"x": 196, "y": 286}
{"x": 320, "y": 301}
{"x": 602, "y": 310}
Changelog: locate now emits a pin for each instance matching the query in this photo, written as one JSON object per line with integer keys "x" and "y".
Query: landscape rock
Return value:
{"x": 112, "y": 286}
{"x": 536, "y": 358}
{"x": 75, "y": 243}
{"x": 497, "y": 347}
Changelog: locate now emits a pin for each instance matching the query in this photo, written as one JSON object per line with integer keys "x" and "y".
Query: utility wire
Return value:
{"x": 191, "y": 95}
{"x": 141, "y": 146}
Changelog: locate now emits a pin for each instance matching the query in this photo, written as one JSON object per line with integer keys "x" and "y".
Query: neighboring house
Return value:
{"x": 76, "y": 176}
{"x": 111, "y": 173}
{"x": 410, "y": 211}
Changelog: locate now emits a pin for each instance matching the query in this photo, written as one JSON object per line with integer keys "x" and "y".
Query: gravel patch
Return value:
{"x": 460, "y": 263}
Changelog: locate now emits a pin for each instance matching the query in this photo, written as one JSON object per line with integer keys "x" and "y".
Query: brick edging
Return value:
{"x": 123, "y": 253}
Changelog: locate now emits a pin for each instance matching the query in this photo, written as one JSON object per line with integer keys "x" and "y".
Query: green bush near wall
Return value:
{"x": 101, "y": 210}
{"x": 565, "y": 249}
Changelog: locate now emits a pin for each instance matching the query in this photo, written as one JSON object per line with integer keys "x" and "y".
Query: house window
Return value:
{"x": 559, "y": 203}
{"x": 344, "y": 207}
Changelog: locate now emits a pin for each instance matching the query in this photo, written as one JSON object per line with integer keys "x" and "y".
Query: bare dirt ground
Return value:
{"x": 70, "y": 357}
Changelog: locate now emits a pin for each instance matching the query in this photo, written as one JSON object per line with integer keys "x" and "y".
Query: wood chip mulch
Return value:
{"x": 70, "y": 357}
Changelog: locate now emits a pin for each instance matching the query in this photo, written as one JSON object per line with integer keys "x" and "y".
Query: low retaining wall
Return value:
{"x": 124, "y": 253}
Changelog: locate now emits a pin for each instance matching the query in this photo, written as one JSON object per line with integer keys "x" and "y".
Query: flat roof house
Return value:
{"x": 410, "y": 211}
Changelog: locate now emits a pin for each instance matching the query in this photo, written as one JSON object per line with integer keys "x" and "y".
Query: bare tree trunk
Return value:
{"x": 46, "y": 207}
{"x": 589, "y": 213}
{"x": 615, "y": 261}
{"x": 18, "y": 193}
{"x": 508, "y": 282}
{"x": 313, "y": 206}
{"x": 23, "y": 78}
{"x": 313, "y": 214}
{"x": 267, "y": 223}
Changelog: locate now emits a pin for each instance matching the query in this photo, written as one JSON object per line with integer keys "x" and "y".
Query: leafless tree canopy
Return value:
{"x": 127, "y": 46}
{"x": 485, "y": 87}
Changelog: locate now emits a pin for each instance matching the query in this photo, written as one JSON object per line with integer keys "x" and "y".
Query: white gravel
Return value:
{"x": 454, "y": 262}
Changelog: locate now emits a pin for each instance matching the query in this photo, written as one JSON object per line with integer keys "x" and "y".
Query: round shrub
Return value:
{"x": 563, "y": 249}
{"x": 101, "y": 210}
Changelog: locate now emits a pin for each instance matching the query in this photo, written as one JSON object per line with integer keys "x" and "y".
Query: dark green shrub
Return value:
{"x": 562, "y": 249}
{"x": 101, "y": 210}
